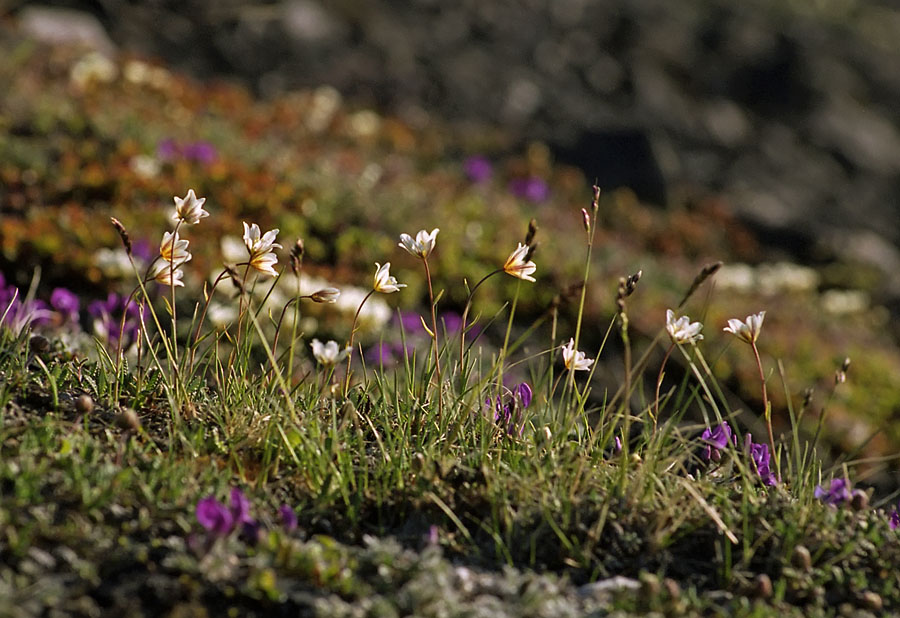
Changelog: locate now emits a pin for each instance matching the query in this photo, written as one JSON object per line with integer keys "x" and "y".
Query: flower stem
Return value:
{"x": 462, "y": 329}
{"x": 766, "y": 407}
{"x": 434, "y": 342}
{"x": 350, "y": 342}
{"x": 659, "y": 380}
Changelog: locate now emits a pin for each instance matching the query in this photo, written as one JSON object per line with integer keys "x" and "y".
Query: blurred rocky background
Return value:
{"x": 786, "y": 108}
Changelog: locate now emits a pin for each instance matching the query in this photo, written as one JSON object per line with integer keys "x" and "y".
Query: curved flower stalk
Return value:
{"x": 518, "y": 265}
{"x": 382, "y": 282}
{"x": 682, "y": 332}
{"x": 748, "y": 331}
{"x": 421, "y": 247}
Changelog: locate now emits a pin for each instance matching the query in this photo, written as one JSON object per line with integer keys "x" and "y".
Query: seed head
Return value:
{"x": 123, "y": 234}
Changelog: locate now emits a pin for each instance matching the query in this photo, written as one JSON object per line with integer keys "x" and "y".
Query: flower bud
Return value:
{"x": 326, "y": 295}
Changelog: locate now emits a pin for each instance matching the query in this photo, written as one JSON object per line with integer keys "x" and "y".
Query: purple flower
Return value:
{"x": 168, "y": 149}
{"x": 894, "y": 522}
{"x": 18, "y": 313}
{"x": 202, "y": 152}
{"x": 508, "y": 414}
{"x": 759, "y": 454}
{"x": 240, "y": 507}
{"x": 411, "y": 323}
{"x": 524, "y": 394}
{"x": 533, "y": 189}
{"x": 836, "y": 494}
{"x": 215, "y": 517}
{"x": 66, "y": 303}
{"x": 107, "y": 316}
{"x": 716, "y": 440}
{"x": 478, "y": 169}
{"x": 618, "y": 445}
{"x": 452, "y": 321}
{"x": 288, "y": 518}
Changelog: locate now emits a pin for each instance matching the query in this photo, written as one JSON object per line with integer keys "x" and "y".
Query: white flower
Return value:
{"x": 682, "y": 330}
{"x": 517, "y": 266}
{"x": 326, "y": 295}
{"x": 165, "y": 273}
{"x": 174, "y": 249}
{"x": 422, "y": 245}
{"x": 328, "y": 354}
{"x": 575, "y": 359}
{"x": 749, "y": 330}
{"x": 384, "y": 282}
{"x": 261, "y": 248}
{"x": 189, "y": 208}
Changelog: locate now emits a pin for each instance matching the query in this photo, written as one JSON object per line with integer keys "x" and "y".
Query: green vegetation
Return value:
{"x": 515, "y": 447}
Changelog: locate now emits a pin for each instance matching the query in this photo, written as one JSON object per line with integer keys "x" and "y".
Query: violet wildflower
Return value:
{"x": 508, "y": 412}
{"x": 107, "y": 314}
{"x": 202, "y": 152}
{"x": 240, "y": 507}
{"x": 894, "y": 522}
{"x": 759, "y": 454}
{"x": 65, "y": 303}
{"x": 617, "y": 448}
{"x": 478, "y": 169}
{"x": 836, "y": 494}
{"x": 716, "y": 440}
{"x": 452, "y": 321}
{"x": 523, "y": 394}
{"x": 215, "y": 517}
{"x": 532, "y": 188}
{"x": 288, "y": 518}
{"x": 168, "y": 149}
{"x": 410, "y": 322}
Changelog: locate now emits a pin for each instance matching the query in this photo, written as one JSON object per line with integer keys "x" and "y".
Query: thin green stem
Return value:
{"x": 350, "y": 342}
{"x": 462, "y": 329}
{"x": 434, "y": 342}
{"x": 766, "y": 406}
{"x": 659, "y": 379}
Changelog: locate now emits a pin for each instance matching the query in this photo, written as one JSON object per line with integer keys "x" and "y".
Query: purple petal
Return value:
{"x": 523, "y": 391}
{"x": 65, "y": 302}
{"x": 213, "y": 516}
{"x": 240, "y": 507}
{"x": 288, "y": 518}
{"x": 478, "y": 168}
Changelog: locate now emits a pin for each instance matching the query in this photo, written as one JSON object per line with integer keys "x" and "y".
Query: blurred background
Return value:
{"x": 788, "y": 108}
{"x": 765, "y": 133}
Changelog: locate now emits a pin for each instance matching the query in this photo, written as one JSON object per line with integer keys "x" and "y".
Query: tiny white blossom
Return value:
{"x": 165, "y": 273}
{"x": 383, "y": 281}
{"x": 749, "y": 330}
{"x": 189, "y": 208}
{"x": 517, "y": 266}
{"x": 260, "y": 247}
{"x": 422, "y": 245}
{"x": 575, "y": 359}
{"x": 329, "y": 353}
{"x": 682, "y": 330}
{"x": 174, "y": 249}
